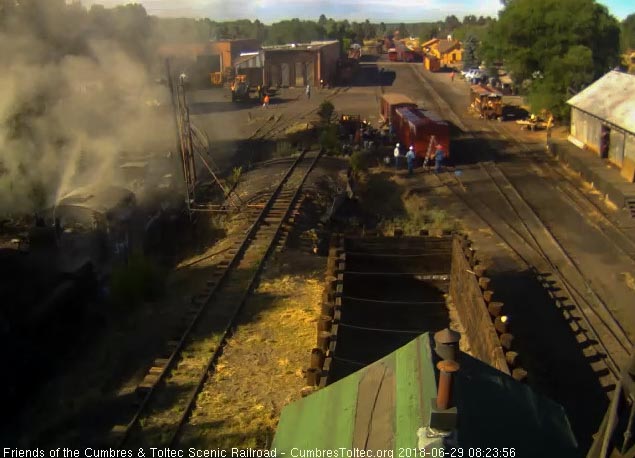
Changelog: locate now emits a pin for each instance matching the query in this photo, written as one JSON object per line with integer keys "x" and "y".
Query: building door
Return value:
{"x": 310, "y": 73}
{"x": 274, "y": 75}
{"x": 605, "y": 141}
{"x": 299, "y": 74}
{"x": 616, "y": 148}
{"x": 284, "y": 69}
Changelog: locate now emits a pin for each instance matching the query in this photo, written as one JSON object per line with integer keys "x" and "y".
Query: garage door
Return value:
{"x": 310, "y": 75}
{"x": 616, "y": 148}
{"x": 299, "y": 74}
{"x": 274, "y": 76}
{"x": 285, "y": 75}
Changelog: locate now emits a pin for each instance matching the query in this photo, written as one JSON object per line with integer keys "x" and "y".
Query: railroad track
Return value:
{"x": 578, "y": 199}
{"x": 266, "y": 132}
{"x": 610, "y": 345}
{"x": 161, "y": 404}
{"x": 520, "y": 228}
{"x": 596, "y": 311}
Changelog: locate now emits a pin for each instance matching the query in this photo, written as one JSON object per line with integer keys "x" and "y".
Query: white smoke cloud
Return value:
{"x": 65, "y": 118}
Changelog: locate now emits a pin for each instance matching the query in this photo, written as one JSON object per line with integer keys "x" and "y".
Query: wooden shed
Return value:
{"x": 603, "y": 119}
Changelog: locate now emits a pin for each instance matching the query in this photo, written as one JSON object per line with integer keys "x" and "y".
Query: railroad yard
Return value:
{"x": 213, "y": 360}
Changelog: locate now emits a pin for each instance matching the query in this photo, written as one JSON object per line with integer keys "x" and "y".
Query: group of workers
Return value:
{"x": 438, "y": 155}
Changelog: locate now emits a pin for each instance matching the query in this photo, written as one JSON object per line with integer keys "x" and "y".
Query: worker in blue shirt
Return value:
{"x": 439, "y": 155}
{"x": 410, "y": 157}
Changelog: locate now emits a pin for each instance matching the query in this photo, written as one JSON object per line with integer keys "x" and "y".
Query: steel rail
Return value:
{"x": 610, "y": 323}
{"x": 125, "y": 431}
{"x": 228, "y": 332}
{"x": 575, "y": 296}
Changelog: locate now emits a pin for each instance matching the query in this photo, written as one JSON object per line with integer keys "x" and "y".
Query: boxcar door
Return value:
{"x": 285, "y": 75}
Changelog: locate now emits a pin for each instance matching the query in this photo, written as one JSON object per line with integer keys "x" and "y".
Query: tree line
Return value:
{"x": 554, "y": 48}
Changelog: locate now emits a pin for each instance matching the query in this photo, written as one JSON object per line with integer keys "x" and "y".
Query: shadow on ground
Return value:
{"x": 550, "y": 353}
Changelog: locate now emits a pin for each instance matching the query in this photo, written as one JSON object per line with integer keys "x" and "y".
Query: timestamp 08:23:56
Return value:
{"x": 457, "y": 452}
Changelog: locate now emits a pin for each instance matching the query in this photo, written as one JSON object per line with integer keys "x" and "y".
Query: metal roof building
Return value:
{"x": 603, "y": 119}
{"x": 387, "y": 407}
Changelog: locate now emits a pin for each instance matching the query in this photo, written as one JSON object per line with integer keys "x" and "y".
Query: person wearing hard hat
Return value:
{"x": 439, "y": 154}
{"x": 410, "y": 157}
{"x": 397, "y": 153}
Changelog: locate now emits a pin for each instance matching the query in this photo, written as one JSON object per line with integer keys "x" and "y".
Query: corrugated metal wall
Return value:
{"x": 629, "y": 147}
{"x": 616, "y": 148}
{"x": 586, "y": 128}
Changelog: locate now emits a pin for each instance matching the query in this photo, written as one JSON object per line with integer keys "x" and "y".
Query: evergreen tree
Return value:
{"x": 470, "y": 59}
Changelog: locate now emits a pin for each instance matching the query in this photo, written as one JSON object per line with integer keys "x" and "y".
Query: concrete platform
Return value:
{"x": 604, "y": 177}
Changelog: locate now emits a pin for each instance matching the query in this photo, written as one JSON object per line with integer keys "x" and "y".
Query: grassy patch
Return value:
{"x": 381, "y": 195}
{"x": 419, "y": 216}
{"x": 261, "y": 369}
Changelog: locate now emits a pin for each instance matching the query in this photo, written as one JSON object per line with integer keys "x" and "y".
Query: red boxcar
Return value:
{"x": 415, "y": 126}
{"x": 390, "y": 102}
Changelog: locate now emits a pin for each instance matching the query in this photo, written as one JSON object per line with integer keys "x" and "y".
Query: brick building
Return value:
{"x": 296, "y": 65}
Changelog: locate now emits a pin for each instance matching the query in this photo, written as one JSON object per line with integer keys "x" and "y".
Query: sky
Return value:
{"x": 268, "y": 11}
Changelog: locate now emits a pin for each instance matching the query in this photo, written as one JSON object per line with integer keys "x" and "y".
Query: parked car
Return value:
{"x": 474, "y": 76}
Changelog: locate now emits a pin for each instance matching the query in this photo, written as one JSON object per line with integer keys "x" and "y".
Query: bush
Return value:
{"x": 236, "y": 174}
{"x": 326, "y": 111}
{"x": 328, "y": 139}
{"x": 136, "y": 281}
{"x": 358, "y": 162}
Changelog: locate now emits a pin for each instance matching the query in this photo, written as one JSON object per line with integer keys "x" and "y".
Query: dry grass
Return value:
{"x": 261, "y": 369}
{"x": 629, "y": 280}
{"x": 420, "y": 215}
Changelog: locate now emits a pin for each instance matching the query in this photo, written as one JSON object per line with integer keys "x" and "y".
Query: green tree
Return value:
{"x": 322, "y": 20}
{"x": 325, "y": 111}
{"x": 294, "y": 31}
{"x": 552, "y": 46}
{"x": 328, "y": 138}
{"x": 452, "y": 22}
{"x": 628, "y": 33}
{"x": 470, "y": 58}
{"x": 382, "y": 29}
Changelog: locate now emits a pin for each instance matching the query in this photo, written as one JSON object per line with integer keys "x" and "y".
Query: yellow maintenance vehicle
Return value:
{"x": 216, "y": 78}
{"x": 240, "y": 88}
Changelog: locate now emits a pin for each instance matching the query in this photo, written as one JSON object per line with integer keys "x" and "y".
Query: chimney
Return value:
{"x": 447, "y": 344}
{"x": 446, "y": 369}
{"x": 443, "y": 415}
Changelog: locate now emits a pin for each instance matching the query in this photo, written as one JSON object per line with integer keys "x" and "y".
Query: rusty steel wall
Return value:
{"x": 472, "y": 309}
